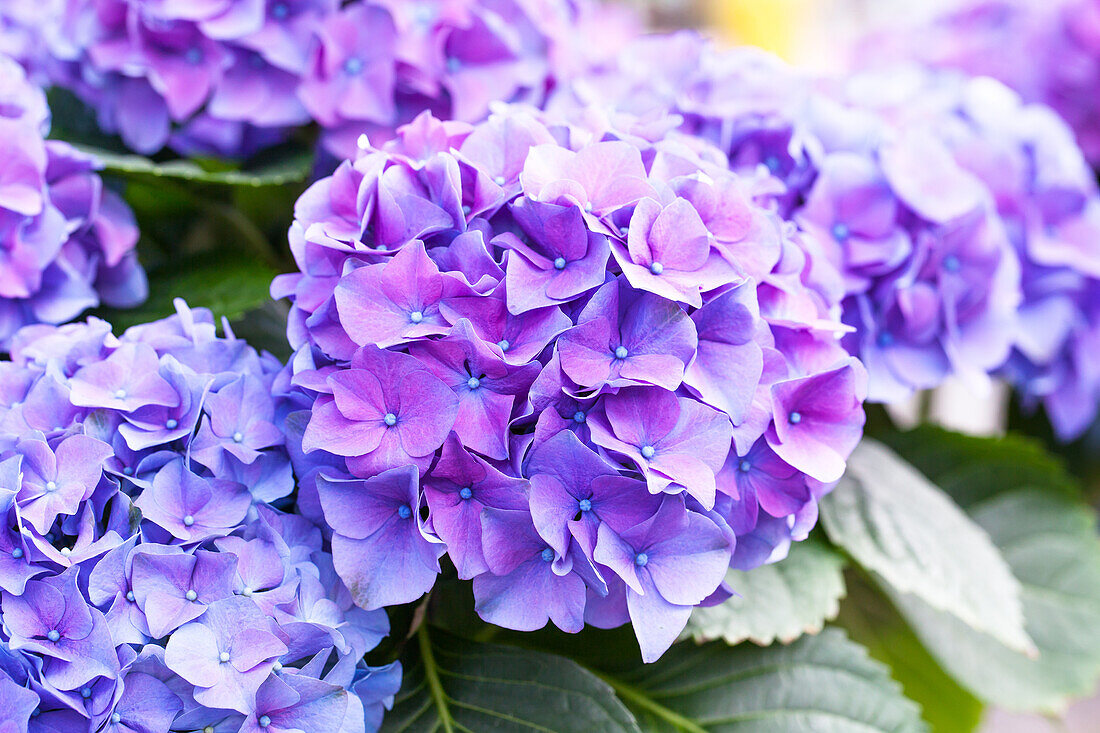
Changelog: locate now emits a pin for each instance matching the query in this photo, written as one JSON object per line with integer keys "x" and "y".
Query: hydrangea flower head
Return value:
{"x": 535, "y": 345}
{"x": 148, "y": 580}
{"x": 230, "y": 78}
{"x": 66, "y": 241}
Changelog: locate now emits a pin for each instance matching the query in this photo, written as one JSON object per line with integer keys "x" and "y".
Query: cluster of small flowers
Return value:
{"x": 67, "y": 243}
{"x": 229, "y": 77}
{"x": 1049, "y": 52}
{"x": 1047, "y": 197}
{"x": 146, "y": 581}
{"x": 964, "y": 222}
{"x": 577, "y": 358}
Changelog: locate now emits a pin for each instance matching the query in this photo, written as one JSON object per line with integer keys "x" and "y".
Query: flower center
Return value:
{"x": 585, "y": 505}
{"x": 794, "y": 418}
{"x": 504, "y": 345}
{"x": 171, "y": 424}
{"x": 841, "y": 232}
{"x": 238, "y": 437}
{"x": 53, "y": 635}
{"x": 500, "y": 180}
{"x": 951, "y": 263}
{"x": 85, "y": 692}
{"x": 416, "y": 316}
{"x": 547, "y": 555}
{"x": 641, "y": 559}
{"x": 656, "y": 268}
{"x": 648, "y": 452}
{"x": 120, "y": 394}
{"x": 473, "y": 382}
{"x": 193, "y": 56}
{"x": 404, "y": 511}
{"x": 192, "y": 596}
{"x": 280, "y": 11}
{"x": 771, "y": 163}
{"x": 390, "y": 419}
{"x": 223, "y": 657}
{"x": 188, "y": 521}
{"x": 264, "y": 721}
{"x": 51, "y": 486}
{"x": 465, "y": 492}
{"x": 116, "y": 717}
{"x": 130, "y": 596}
{"x": 621, "y": 352}
{"x": 559, "y": 263}
{"x": 353, "y": 65}
{"x": 885, "y": 338}
{"x": 17, "y": 553}
{"x": 744, "y": 466}
{"x": 453, "y": 64}
{"x": 579, "y": 417}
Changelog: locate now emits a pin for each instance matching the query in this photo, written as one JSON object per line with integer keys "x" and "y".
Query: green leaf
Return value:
{"x": 454, "y": 685}
{"x": 1033, "y": 513}
{"x": 917, "y": 541}
{"x": 824, "y": 683}
{"x": 781, "y": 601}
{"x": 229, "y": 285}
{"x": 872, "y": 621}
{"x": 292, "y": 166}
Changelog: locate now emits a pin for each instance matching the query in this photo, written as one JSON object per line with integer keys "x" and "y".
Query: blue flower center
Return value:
{"x": 794, "y": 418}
{"x": 51, "y": 486}
{"x": 771, "y": 163}
{"x": 465, "y": 492}
{"x": 188, "y": 520}
{"x": 264, "y": 721}
{"x": 404, "y": 511}
{"x": 559, "y": 263}
{"x": 193, "y": 56}
{"x": 504, "y": 345}
{"x": 453, "y": 64}
{"x": 885, "y": 338}
{"x": 128, "y": 470}
{"x": 841, "y": 232}
{"x": 120, "y": 394}
{"x": 191, "y": 596}
{"x": 416, "y": 316}
{"x": 585, "y": 505}
{"x": 500, "y": 180}
{"x": 579, "y": 417}
{"x": 656, "y": 268}
{"x": 547, "y": 555}
{"x": 648, "y": 452}
{"x": 238, "y": 437}
{"x": 467, "y": 209}
{"x": 85, "y": 692}
{"x": 53, "y": 635}
{"x": 390, "y": 419}
{"x": 279, "y": 11}
{"x": 353, "y": 65}
{"x": 951, "y": 263}
{"x": 473, "y": 382}
{"x": 744, "y": 466}
{"x": 621, "y": 352}
{"x": 17, "y": 553}
{"x": 116, "y": 717}
{"x": 223, "y": 657}
{"x": 171, "y": 424}
{"x": 130, "y": 596}
{"x": 641, "y": 559}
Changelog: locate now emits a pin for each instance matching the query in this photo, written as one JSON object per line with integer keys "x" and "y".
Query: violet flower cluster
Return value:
{"x": 1048, "y": 51}
{"x": 579, "y": 360}
{"x": 228, "y": 78}
{"x": 1047, "y": 198}
{"x": 66, "y": 241}
{"x": 147, "y": 581}
{"x": 929, "y": 275}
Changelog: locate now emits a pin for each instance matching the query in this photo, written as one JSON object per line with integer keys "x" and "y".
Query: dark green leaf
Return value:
{"x": 292, "y": 167}
{"x": 777, "y": 602}
{"x": 1031, "y": 510}
{"x": 911, "y": 535}
{"x": 824, "y": 683}
{"x": 454, "y": 685}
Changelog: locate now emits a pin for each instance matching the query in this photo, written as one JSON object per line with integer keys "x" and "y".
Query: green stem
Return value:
{"x": 638, "y": 698}
{"x": 431, "y": 676}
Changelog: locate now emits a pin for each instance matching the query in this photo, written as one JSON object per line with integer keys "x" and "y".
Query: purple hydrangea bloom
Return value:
{"x": 1046, "y": 51}
{"x": 147, "y": 581}
{"x": 66, "y": 242}
{"x": 230, "y": 78}
{"x": 533, "y": 343}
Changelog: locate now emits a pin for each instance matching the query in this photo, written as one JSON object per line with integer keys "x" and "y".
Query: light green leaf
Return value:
{"x": 453, "y": 685}
{"x": 898, "y": 525}
{"x": 778, "y": 602}
{"x": 824, "y": 683}
{"x": 1048, "y": 536}
{"x": 872, "y": 621}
